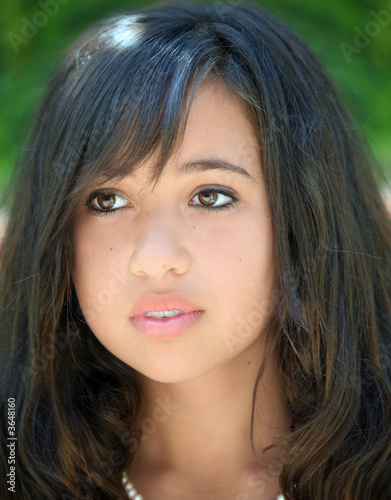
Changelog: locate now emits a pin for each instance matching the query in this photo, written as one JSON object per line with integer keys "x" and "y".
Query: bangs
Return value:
{"x": 132, "y": 93}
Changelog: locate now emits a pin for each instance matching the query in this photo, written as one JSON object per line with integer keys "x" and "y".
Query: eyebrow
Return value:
{"x": 205, "y": 165}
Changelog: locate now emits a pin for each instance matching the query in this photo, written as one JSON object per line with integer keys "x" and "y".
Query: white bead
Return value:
{"x": 133, "y": 495}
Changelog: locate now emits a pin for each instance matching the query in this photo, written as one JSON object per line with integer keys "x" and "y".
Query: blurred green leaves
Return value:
{"x": 35, "y": 33}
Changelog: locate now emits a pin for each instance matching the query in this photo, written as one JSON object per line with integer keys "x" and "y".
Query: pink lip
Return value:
{"x": 164, "y": 328}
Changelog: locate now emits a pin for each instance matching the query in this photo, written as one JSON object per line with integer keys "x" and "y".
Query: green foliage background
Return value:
{"x": 364, "y": 77}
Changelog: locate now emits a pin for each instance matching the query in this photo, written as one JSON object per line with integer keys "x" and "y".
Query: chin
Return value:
{"x": 172, "y": 374}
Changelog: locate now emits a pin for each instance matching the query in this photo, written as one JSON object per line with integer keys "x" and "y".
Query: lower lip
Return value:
{"x": 166, "y": 328}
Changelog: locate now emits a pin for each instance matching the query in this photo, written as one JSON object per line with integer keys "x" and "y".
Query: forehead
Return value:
{"x": 216, "y": 129}
{"x": 218, "y": 133}
{"x": 217, "y": 113}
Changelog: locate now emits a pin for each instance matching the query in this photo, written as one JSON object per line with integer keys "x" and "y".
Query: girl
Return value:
{"x": 195, "y": 288}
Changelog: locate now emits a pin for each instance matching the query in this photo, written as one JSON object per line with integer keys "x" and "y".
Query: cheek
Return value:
{"x": 245, "y": 250}
{"x": 94, "y": 273}
{"x": 242, "y": 272}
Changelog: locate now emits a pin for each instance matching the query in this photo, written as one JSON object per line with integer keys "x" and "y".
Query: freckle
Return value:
{"x": 240, "y": 260}
{"x": 164, "y": 267}
{"x": 249, "y": 362}
{"x": 111, "y": 249}
{"x": 194, "y": 227}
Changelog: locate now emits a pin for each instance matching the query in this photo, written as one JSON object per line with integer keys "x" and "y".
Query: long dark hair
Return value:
{"x": 119, "y": 94}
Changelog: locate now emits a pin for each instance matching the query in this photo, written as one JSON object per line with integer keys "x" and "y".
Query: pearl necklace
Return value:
{"x": 133, "y": 495}
{"x": 130, "y": 489}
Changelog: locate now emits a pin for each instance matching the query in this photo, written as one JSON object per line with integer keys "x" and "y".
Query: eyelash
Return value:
{"x": 209, "y": 190}
{"x": 96, "y": 211}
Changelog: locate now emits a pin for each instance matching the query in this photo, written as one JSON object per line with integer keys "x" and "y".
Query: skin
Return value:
{"x": 224, "y": 262}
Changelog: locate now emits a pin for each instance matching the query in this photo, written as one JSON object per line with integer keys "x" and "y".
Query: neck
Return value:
{"x": 201, "y": 428}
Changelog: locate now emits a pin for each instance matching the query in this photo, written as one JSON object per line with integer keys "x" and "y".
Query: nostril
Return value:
{"x": 156, "y": 259}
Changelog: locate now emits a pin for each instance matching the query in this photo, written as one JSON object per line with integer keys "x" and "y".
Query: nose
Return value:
{"x": 159, "y": 247}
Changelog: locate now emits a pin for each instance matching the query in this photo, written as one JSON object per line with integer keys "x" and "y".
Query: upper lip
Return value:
{"x": 168, "y": 301}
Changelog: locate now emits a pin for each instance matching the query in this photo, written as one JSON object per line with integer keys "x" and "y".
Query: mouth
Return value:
{"x": 164, "y": 316}
{"x": 171, "y": 304}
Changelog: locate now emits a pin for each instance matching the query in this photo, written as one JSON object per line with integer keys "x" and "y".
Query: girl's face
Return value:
{"x": 204, "y": 232}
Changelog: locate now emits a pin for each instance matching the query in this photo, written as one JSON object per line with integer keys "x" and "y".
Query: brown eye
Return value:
{"x": 208, "y": 198}
{"x": 214, "y": 199}
{"x": 105, "y": 201}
